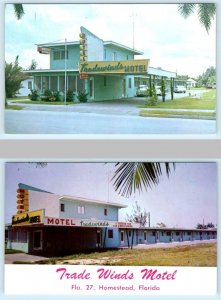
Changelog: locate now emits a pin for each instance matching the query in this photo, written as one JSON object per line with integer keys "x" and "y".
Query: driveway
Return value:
{"x": 24, "y": 257}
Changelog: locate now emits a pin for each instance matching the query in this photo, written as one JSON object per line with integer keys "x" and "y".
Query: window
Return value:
{"x": 153, "y": 233}
{"x": 177, "y": 233}
{"x": 162, "y": 233}
{"x": 110, "y": 233}
{"x": 56, "y": 55}
{"x": 114, "y": 55}
{"x": 80, "y": 210}
{"x": 60, "y": 54}
{"x": 30, "y": 85}
{"x": 105, "y": 54}
{"x": 129, "y": 83}
{"x": 127, "y": 57}
{"x": 62, "y": 207}
{"x": 105, "y": 211}
{"x": 168, "y": 233}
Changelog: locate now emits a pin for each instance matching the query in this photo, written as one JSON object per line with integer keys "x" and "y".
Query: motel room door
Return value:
{"x": 124, "y": 88}
{"x": 91, "y": 88}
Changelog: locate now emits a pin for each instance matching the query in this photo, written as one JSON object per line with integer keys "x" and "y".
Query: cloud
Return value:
{"x": 158, "y": 30}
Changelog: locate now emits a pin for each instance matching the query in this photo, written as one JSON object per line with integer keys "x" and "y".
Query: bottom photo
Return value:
{"x": 89, "y": 228}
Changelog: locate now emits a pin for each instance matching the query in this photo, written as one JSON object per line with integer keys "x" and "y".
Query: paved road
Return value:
{"x": 51, "y": 122}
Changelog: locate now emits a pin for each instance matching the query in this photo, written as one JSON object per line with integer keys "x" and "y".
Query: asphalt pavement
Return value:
{"x": 52, "y": 122}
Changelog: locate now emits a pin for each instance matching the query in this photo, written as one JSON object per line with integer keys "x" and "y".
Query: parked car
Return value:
{"x": 180, "y": 89}
{"x": 142, "y": 90}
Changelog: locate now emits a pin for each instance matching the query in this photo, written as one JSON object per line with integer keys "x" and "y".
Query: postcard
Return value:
{"x": 110, "y": 69}
{"x": 125, "y": 228}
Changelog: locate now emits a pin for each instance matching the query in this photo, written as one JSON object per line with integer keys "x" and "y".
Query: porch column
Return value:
{"x": 105, "y": 233}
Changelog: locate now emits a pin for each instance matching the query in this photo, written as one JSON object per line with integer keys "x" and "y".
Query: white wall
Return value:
{"x": 24, "y": 91}
{"x": 41, "y": 200}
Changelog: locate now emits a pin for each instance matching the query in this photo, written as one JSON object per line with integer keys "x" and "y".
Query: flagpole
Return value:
{"x": 65, "y": 72}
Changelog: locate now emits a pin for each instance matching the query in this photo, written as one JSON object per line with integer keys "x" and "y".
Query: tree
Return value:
{"x": 14, "y": 75}
{"x": 161, "y": 225}
{"x": 209, "y": 76}
{"x": 33, "y": 65}
{"x": 138, "y": 216}
{"x": 202, "y": 226}
{"x": 132, "y": 176}
{"x": 18, "y": 10}
{"x": 206, "y": 12}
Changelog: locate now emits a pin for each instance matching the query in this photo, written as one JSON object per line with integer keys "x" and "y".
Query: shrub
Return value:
{"x": 59, "y": 96}
{"x": 70, "y": 96}
{"x": 152, "y": 101}
{"x": 35, "y": 95}
{"x": 82, "y": 96}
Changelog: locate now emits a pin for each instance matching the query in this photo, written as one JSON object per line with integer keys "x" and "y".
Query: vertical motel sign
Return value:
{"x": 83, "y": 52}
{"x": 22, "y": 201}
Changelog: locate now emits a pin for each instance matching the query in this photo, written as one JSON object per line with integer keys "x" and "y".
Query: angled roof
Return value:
{"x": 31, "y": 188}
{"x": 136, "y": 52}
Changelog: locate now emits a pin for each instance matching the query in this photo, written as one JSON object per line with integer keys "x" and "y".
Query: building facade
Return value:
{"x": 105, "y": 70}
{"x": 50, "y": 224}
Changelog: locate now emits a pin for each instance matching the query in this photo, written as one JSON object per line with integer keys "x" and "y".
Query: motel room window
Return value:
{"x": 129, "y": 83}
{"x": 177, "y": 233}
{"x": 58, "y": 55}
{"x": 105, "y": 54}
{"x": 80, "y": 210}
{"x": 153, "y": 233}
{"x": 127, "y": 57}
{"x": 114, "y": 55}
{"x": 62, "y": 207}
{"x": 105, "y": 211}
{"x": 168, "y": 233}
{"x": 110, "y": 233}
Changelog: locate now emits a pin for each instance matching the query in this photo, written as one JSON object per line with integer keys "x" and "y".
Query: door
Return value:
{"x": 98, "y": 244}
{"x": 91, "y": 88}
{"x": 37, "y": 240}
{"x": 124, "y": 88}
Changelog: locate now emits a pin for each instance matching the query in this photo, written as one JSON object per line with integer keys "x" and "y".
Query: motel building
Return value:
{"x": 53, "y": 225}
{"x": 106, "y": 70}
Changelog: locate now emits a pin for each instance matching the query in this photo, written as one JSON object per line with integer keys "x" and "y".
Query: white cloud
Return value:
{"x": 169, "y": 40}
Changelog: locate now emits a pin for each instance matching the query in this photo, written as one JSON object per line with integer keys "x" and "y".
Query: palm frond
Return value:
{"x": 206, "y": 13}
{"x": 186, "y": 9}
{"x": 135, "y": 176}
{"x": 19, "y": 11}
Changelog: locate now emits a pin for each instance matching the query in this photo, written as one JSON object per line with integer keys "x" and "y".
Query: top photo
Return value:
{"x": 110, "y": 69}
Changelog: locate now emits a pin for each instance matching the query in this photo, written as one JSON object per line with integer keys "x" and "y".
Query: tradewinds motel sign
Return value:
{"x": 37, "y": 217}
{"x": 138, "y": 66}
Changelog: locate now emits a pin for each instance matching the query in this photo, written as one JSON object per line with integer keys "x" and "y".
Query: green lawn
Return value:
{"x": 171, "y": 113}
{"x": 191, "y": 255}
{"x": 14, "y": 107}
{"x": 207, "y": 101}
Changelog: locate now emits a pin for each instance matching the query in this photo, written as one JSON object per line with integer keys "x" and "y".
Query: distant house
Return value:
{"x": 191, "y": 83}
{"x": 27, "y": 86}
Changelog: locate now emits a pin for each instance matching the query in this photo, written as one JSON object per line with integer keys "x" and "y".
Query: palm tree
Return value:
{"x": 132, "y": 176}
{"x": 19, "y": 11}
{"x": 206, "y": 12}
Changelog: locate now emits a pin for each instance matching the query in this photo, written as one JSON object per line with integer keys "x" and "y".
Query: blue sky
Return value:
{"x": 166, "y": 38}
{"x": 183, "y": 200}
